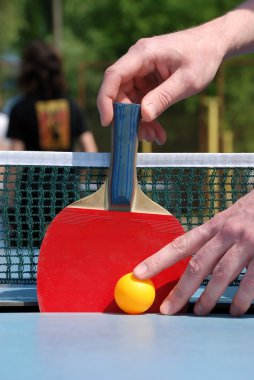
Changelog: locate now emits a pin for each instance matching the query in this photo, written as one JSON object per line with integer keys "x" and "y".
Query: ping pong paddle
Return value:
{"x": 96, "y": 240}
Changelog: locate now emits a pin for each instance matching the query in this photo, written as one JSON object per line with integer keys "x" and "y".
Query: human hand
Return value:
{"x": 223, "y": 246}
{"x": 159, "y": 71}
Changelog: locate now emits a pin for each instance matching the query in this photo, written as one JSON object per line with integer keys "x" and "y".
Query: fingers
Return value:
{"x": 132, "y": 72}
{"x": 177, "y": 87}
{"x": 225, "y": 263}
{"x": 182, "y": 247}
{"x": 121, "y": 72}
{"x": 201, "y": 264}
{"x": 226, "y": 270}
{"x": 107, "y": 94}
{"x": 152, "y": 132}
{"x": 216, "y": 253}
{"x": 245, "y": 294}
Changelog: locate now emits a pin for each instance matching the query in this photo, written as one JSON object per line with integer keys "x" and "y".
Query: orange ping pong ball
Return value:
{"x": 134, "y": 296}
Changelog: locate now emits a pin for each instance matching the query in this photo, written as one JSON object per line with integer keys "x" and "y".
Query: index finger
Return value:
{"x": 180, "y": 248}
{"x": 125, "y": 69}
{"x": 107, "y": 94}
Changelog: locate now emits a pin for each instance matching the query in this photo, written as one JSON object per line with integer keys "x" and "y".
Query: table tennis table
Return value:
{"x": 95, "y": 346}
{"x": 104, "y": 346}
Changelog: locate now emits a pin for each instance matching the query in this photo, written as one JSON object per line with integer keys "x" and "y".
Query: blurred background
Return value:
{"x": 91, "y": 34}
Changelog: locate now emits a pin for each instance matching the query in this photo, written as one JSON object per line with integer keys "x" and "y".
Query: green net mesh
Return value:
{"x": 31, "y": 196}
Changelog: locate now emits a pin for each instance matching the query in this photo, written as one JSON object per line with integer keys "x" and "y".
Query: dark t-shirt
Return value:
{"x": 43, "y": 125}
{"x": 46, "y": 125}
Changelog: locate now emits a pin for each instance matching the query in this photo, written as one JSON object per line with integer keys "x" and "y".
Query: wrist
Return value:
{"x": 213, "y": 33}
{"x": 238, "y": 33}
{"x": 233, "y": 33}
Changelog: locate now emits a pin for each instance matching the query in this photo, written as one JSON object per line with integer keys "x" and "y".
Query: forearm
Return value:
{"x": 16, "y": 144}
{"x": 88, "y": 143}
{"x": 239, "y": 24}
{"x": 162, "y": 70}
{"x": 235, "y": 30}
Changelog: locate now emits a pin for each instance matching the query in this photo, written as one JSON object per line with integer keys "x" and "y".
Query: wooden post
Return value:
{"x": 212, "y": 105}
{"x": 146, "y": 146}
{"x": 57, "y": 23}
{"x": 227, "y": 141}
{"x": 212, "y": 145}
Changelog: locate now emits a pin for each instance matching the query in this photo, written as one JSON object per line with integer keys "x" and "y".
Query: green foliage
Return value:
{"x": 109, "y": 27}
{"x": 11, "y": 21}
{"x": 38, "y": 21}
{"x": 239, "y": 95}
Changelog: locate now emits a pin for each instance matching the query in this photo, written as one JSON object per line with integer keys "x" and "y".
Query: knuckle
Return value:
{"x": 157, "y": 260}
{"x": 231, "y": 230}
{"x": 234, "y": 230}
{"x": 240, "y": 205}
{"x": 109, "y": 71}
{"x": 211, "y": 227}
{"x": 220, "y": 273}
{"x": 142, "y": 44}
{"x": 191, "y": 81}
{"x": 194, "y": 266}
{"x": 165, "y": 98}
{"x": 226, "y": 230}
{"x": 248, "y": 237}
{"x": 179, "y": 245}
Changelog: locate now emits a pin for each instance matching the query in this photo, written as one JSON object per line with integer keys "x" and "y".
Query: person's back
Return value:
{"x": 45, "y": 118}
{"x": 37, "y": 124}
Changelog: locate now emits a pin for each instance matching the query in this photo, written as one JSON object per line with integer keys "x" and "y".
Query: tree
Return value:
{"x": 11, "y": 21}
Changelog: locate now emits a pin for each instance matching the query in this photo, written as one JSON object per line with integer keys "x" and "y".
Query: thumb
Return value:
{"x": 162, "y": 97}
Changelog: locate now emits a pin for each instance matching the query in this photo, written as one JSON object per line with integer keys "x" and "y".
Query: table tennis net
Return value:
{"x": 34, "y": 187}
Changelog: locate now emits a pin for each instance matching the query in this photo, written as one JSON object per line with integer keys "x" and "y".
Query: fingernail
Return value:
{"x": 102, "y": 122}
{"x": 140, "y": 269}
{"x": 151, "y": 110}
{"x": 158, "y": 142}
{"x": 166, "y": 307}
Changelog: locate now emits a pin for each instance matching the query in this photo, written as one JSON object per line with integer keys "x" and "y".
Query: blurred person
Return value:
{"x": 10, "y": 103}
{"x": 158, "y": 72}
{"x": 44, "y": 118}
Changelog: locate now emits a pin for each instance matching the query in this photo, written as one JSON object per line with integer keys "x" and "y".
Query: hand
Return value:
{"x": 159, "y": 71}
{"x": 223, "y": 246}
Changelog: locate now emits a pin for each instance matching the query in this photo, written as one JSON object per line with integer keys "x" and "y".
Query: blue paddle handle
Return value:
{"x": 123, "y": 156}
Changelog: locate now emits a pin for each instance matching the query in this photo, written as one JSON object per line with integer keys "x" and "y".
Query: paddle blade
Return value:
{"x": 85, "y": 252}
